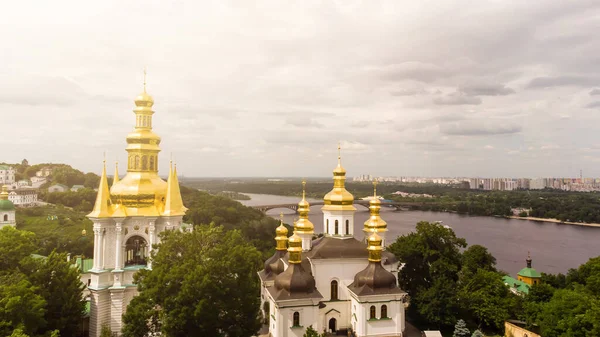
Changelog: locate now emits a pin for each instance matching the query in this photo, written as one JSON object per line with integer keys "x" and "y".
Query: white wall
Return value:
{"x": 341, "y": 217}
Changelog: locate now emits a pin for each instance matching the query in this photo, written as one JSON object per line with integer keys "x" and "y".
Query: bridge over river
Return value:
{"x": 365, "y": 203}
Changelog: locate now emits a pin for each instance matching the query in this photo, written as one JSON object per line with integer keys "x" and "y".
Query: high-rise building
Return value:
{"x": 127, "y": 219}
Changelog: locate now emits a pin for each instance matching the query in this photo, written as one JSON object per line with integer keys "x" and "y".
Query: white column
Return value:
{"x": 151, "y": 235}
{"x": 96, "y": 247}
{"x": 118, "y": 247}
{"x": 101, "y": 249}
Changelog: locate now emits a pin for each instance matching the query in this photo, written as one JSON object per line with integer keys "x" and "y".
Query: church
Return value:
{"x": 335, "y": 283}
{"x": 127, "y": 218}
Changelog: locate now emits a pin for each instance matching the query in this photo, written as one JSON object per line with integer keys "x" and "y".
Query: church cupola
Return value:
{"x": 303, "y": 226}
{"x": 375, "y": 224}
{"x": 338, "y": 209}
{"x": 274, "y": 266}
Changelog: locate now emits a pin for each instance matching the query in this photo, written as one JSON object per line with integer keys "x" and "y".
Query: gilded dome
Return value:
{"x": 144, "y": 100}
{"x": 5, "y": 204}
{"x": 303, "y": 224}
{"x": 281, "y": 230}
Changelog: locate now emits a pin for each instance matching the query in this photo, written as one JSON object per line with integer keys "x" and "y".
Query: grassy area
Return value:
{"x": 58, "y": 227}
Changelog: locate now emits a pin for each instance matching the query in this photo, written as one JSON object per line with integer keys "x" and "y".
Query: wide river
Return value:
{"x": 555, "y": 248}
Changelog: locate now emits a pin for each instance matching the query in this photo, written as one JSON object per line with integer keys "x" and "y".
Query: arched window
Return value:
{"x": 334, "y": 290}
{"x": 336, "y": 227}
{"x": 5, "y": 217}
{"x": 384, "y": 311}
{"x": 296, "y": 319}
{"x": 137, "y": 163}
{"x": 135, "y": 251}
{"x": 144, "y": 163}
{"x": 347, "y": 227}
{"x": 151, "y": 163}
{"x": 372, "y": 312}
{"x": 327, "y": 226}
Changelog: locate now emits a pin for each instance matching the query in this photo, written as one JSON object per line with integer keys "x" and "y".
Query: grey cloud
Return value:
{"x": 301, "y": 122}
{"x": 547, "y": 82}
{"x": 417, "y": 71}
{"x": 593, "y": 105}
{"x": 408, "y": 92}
{"x": 595, "y": 92}
{"x": 457, "y": 99}
{"x": 479, "y": 128}
{"x": 487, "y": 90}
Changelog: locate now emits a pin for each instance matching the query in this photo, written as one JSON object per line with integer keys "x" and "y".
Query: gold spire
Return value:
{"x": 303, "y": 224}
{"x": 374, "y": 247}
{"x": 102, "y": 207}
{"x": 173, "y": 203}
{"x": 4, "y": 194}
{"x": 375, "y": 223}
{"x": 295, "y": 249}
{"x": 281, "y": 235}
{"x": 339, "y": 198}
{"x": 116, "y": 177}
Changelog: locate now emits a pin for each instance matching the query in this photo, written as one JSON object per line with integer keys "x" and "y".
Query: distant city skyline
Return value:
{"x": 474, "y": 89}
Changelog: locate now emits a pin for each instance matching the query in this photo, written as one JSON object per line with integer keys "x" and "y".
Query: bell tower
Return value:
{"x": 338, "y": 209}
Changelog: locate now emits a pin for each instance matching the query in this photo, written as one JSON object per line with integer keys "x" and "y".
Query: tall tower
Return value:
{"x": 338, "y": 209}
{"x": 127, "y": 219}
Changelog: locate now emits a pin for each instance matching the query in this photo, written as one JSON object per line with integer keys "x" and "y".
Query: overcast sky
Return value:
{"x": 428, "y": 88}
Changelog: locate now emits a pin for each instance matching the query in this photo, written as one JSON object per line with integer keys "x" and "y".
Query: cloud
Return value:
{"x": 593, "y": 105}
{"x": 487, "y": 90}
{"x": 548, "y": 82}
{"x": 479, "y": 128}
{"x": 457, "y": 99}
{"x": 301, "y": 122}
{"x": 413, "y": 70}
{"x": 595, "y": 92}
{"x": 408, "y": 92}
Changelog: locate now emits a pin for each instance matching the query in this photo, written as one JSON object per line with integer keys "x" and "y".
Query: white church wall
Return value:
{"x": 329, "y": 217}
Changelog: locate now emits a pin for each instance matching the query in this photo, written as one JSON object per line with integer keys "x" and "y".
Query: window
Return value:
{"x": 296, "y": 319}
{"x": 327, "y": 226}
{"x": 136, "y": 251}
{"x": 144, "y": 163}
{"x": 334, "y": 290}
{"x": 152, "y": 163}
{"x": 347, "y": 227}
{"x": 137, "y": 163}
{"x": 384, "y": 311}
{"x": 372, "y": 312}
{"x": 5, "y": 217}
{"x": 336, "y": 227}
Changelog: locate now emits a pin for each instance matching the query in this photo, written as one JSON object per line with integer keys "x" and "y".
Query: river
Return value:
{"x": 555, "y": 248}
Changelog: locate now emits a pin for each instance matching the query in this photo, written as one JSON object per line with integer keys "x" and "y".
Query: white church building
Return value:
{"x": 127, "y": 220}
{"x": 337, "y": 282}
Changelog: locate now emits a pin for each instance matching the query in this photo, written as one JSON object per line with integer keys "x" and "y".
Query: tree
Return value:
{"x": 477, "y": 333}
{"x": 106, "y": 331}
{"x": 20, "y": 306}
{"x": 310, "y": 332}
{"x": 432, "y": 259}
{"x": 202, "y": 283}
{"x": 461, "y": 330}
{"x": 569, "y": 313}
{"x": 14, "y": 246}
{"x": 477, "y": 257}
{"x": 60, "y": 285}
{"x": 486, "y": 298}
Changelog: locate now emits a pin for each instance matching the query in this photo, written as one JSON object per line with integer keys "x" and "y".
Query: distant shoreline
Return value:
{"x": 555, "y": 221}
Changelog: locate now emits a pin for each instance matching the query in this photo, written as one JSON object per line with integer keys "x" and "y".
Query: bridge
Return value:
{"x": 365, "y": 203}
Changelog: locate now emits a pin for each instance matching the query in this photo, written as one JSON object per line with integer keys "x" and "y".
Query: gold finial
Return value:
{"x": 281, "y": 217}
{"x": 144, "y": 79}
{"x": 375, "y": 188}
{"x": 303, "y": 189}
{"x": 303, "y": 224}
{"x": 339, "y": 153}
{"x": 374, "y": 247}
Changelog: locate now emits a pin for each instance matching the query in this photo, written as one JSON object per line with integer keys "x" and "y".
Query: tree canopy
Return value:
{"x": 202, "y": 283}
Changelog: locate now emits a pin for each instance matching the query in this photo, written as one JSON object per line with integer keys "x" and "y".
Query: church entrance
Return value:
{"x": 332, "y": 327}
{"x": 136, "y": 251}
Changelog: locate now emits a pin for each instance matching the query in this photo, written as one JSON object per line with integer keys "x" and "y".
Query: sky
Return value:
{"x": 493, "y": 88}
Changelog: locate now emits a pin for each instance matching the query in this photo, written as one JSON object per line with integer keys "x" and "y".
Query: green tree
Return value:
{"x": 477, "y": 257}
{"x": 310, "y": 332}
{"x": 477, "y": 333}
{"x": 486, "y": 298}
{"x": 202, "y": 283}
{"x": 14, "y": 246}
{"x": 432, "y": 259}
{"x": 106, "y": 332}
{"x": 569, "y": 313}
{"x": 461, "y": 330}
{"x": 60, "y": 285}
{"x": 20, "y": 306}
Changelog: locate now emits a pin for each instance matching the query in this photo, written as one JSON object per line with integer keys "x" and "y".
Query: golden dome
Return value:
{"x": 375, "y": 222}
{"x": 281, "y": 231}
{"x": 144, "y": 100}
{"x": 83, "y": 232}
{"x": 303, "y": 224}
{"x": 339, "y": 198}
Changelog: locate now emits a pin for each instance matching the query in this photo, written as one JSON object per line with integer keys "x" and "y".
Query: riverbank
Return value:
{"x": 531, "y": 218}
